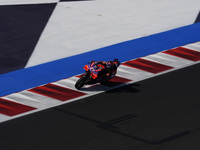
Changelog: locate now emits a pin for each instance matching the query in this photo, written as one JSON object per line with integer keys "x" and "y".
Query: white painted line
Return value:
{"x": 69, "y": 82}
{"x": 132, "y": 73}
{"x": 194, "y": 46}
{"x": 88, "y": 89}
{"x": 24, "y": 99}
{"x": 168, "y": 60}
{"x": 4, "y": 118}
{"x": 44, "y": 100}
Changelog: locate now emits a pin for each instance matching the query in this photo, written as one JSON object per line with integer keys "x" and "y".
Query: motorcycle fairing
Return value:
{"x": 94, "y": 69}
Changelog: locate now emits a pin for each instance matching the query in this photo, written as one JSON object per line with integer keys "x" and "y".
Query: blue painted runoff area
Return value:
{"x": 63, "y": 68}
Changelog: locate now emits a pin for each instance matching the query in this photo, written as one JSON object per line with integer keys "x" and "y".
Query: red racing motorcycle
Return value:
{"x": 97, "y": 72}
{"x": 90, "y": 76}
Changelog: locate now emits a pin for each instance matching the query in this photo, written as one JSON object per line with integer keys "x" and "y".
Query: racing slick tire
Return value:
{"x": 80, "y": 83}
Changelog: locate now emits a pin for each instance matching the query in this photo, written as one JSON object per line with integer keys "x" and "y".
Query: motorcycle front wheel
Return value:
{"x": 80, "y": 83}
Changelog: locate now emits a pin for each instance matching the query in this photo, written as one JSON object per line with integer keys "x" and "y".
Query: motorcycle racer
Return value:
{"x": 106, "y": 69}
{"x": 97, "y": 72}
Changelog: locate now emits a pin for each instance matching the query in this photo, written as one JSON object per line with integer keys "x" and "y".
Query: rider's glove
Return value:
{"x": 108, "y": 75}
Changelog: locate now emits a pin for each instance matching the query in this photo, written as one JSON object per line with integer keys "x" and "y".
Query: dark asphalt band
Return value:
{"x": 198, "y": 18}
{"x": 56, "y": 70}
{"x": 20, "y": 29}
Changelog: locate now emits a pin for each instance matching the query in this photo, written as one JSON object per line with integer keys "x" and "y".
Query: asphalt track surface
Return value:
{"x": 160, "y": 113}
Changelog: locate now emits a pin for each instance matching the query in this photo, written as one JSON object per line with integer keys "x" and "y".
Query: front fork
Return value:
{"x": 88, "y": 78}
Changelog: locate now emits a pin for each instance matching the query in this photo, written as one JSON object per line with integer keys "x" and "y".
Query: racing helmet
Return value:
{"x": 116, "y": 62}
{"x": 112, "y": 65}
{"x": 109, "y": 65}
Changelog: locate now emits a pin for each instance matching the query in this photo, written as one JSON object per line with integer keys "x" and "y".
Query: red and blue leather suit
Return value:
{"x": 106, "y": 69}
